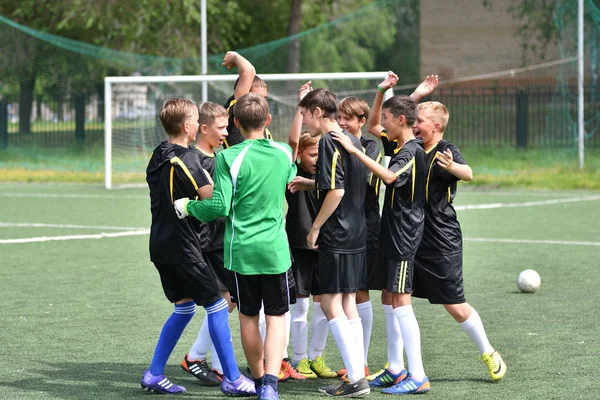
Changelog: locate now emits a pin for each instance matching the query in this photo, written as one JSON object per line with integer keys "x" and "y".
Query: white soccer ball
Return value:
{"x": 529, "y": 281}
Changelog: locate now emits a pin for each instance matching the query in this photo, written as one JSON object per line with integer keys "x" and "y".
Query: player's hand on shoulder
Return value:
{"x": 390, "y": 81}
{"x": 305, "y": 89}
{"x": 230, "y": 59}
{"x": 300, "y": 183}
{"x": 345, "y": 141}
{"x": 180, "y": 206}
{"x": 445, "y": 159}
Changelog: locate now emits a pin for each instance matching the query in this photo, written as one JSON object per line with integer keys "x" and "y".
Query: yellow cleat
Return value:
{"x": 376, "y": 374}
{"x": 322, "y": 370}
{"x": 303, "y": 367}
{"x": 495, "y": 365}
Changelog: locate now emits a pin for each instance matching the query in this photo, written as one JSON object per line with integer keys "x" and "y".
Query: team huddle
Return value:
{"x": 219, "y": 237}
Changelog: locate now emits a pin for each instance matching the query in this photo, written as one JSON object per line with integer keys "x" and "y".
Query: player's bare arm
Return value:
{"x": 246, "y": 72}
{"x": 379, "y": 170}
{"x": 296, "y": 128}
{"x": 301, "y": 183}
{"x": 331, "y": 202}
{"x": 374, "y": 123}
{"x": 426, "y": 87}
{"x": 461, "y": 171}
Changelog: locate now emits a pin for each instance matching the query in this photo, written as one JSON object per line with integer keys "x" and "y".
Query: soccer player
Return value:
{"x": 302, "y": 210}
{"x": 250, "y": 181}
{"x": 401, "y": 233}
{"x": 175, "y": 171}
{"x": 213, "y": 120}
{"x": 439, "y": 260}
{"x": 339, "y": 232}
{"x": 247, "y": 82}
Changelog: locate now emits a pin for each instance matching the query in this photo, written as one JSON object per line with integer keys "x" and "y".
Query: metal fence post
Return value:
{"x": 522, "y": 117}
{"x": 3, "y": 124}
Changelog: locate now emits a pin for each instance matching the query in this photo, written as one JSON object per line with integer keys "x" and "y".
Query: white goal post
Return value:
{"x": 129, "y": 107}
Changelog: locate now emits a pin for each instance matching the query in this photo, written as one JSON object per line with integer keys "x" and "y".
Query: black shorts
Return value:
{"x": 374, "y": 277}
{"x": 216, "y": 261}
{"x": 194, "y": 280}
{"x": 340, "y": 273}
{"x": 399, "y": 274}
{"x": 272, "y": 291}
{"x": 306, "y": 272}
{"x": 439, "y": 278}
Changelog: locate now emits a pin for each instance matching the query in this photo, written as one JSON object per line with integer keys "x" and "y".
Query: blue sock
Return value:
{"x": 170, "y": 334}
{"x": 258, "y": 382}
{"x": 218, "y": 326}
{"x": 271, "y": 380}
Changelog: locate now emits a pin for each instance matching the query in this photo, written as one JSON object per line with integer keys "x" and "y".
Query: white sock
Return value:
{"x": 395, "y": 345}
{"x": 300, "y": 328}
{"x": 214, "y": 359}
{"x": 474, "y": 328}
{"x": 202, "y": 344}
{"x": 288, "y": 319}
{"x": 365, "y": 312}
{"x": 357, "y": 334}
{"x": 262, "y": 324}
{"x": 412, "y": 340}
{"x": 319, "y": 328}
{"x": 342, "y": 334}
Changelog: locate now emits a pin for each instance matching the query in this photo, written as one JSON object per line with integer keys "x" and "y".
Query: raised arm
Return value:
{"x": 246, "y": 72}
{"x": 374, "y": 123}
{"x": 425, "y": 88}
{"x": 296, "y": 128}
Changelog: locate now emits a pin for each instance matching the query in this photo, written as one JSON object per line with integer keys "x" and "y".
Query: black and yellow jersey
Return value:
{"x": 390, "y": 147}
{"x": 302, "y": 211}
{"x": 403, "y": 214}
{"x": 346, "y": 230}
{"x": 372, "y": 199}
{"x": 442, "y": 230}
{"x": 234, "y": 136}
{"x": 174, "y": 172}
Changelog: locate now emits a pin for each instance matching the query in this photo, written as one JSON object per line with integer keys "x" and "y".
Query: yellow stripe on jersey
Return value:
{"x": 404, "y": 273}
{"x": 414, "y": 178}
{"x": 428, "y": 176}
{"x": 268, "y": 134}
{"x": 392, "y": 201}
{"x": 378, "y": 161}
{"x": 231, "y": 104}
{"x": 449, "y": 194}
{"x": 333, "y": 166}
{"x": 406, "y": 167}
{"x": 171, "y": 183}
{"x": 177, "y": 160}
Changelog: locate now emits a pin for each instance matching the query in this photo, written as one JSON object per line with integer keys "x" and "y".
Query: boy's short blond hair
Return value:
{"x": 208, "y": 112}
{"x": 437, "y": 112}
{"x": 354, "y": 107}
{"x": 251, "y": 111}
{"x": 174, "y": 113}
{"x": 307, "y": 141}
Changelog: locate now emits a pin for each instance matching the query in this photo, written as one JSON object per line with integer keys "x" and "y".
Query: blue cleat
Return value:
{"x": 266, "y": 392}
{"x": 159, "y": 384}
{"x": 386, "y": 378}
{"x": 242, "y": 387}
{"x": 409, "y": 386}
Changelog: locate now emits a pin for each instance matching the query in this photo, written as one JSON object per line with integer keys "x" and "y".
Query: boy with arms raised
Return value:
{"x": 401, "y": 232}
{"x": 174, "y": 171}
{"x": 213, "y": 120}
{"x": 340, "y": 233}
{"x": 250, "y": 181}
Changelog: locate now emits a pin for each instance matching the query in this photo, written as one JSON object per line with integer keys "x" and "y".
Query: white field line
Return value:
{"x": 75, "y": 196}
{"x": 532, "y": 241}
{"x": 525, "y": 193}
{"x": 75, "y": 237}
{"x": 40, "y": 225}
{"x": 526, "y": 204}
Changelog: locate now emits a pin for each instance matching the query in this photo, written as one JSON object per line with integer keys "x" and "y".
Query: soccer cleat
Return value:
{"x": 343, "y": 372}
{"x": 409, "y": 386}
{"x": 242, "y": 387}
{"x": 219, "y": 374}
{"x": 266, "y": 392}
{"x": 495, "y": 365}
{"x": 387, "y": 379}
{"x": 283, "y": 376}
{"x": 159, "y": 384}
{"x": 373, "y": 376}
{"x": 287, "y": 366}
{"x": 201, "y": 370}
{"x": 323, "y": 389}
{"x": 303, "y": 367}
{"x": 347, "y": 389}
{"x": 321, "y": 369}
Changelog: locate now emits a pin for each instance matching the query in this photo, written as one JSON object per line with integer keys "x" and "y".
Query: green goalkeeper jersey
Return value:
{"x": 250, "y": 181}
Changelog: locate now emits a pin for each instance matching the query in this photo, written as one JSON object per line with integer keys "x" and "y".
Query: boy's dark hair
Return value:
{"x": 251, "y": 111}
{"x": 354, "y": 107}
{"x": 256, "y": 83}
{"x": 402, "y": 105}
{"x": 174, "y": 113}
{"x": 325, "y": 99}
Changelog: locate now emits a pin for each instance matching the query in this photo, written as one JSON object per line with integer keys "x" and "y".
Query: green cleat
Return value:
{"x": 495, "y": 364}
{"x": 323, "y": 371}
{"x": 303, "y": 367}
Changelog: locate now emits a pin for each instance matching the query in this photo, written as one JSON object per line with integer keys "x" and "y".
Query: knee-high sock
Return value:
{"x": 220, "y": 334}
{"x": 202, "y": 344}
{"x": 343, "y": 336}
{"x": 395, "y": 345}
{"x": 474, "y": 328}
{"x": 319, "y": 328}
{"x": 300, "y": 328}
{"x": 365, "y": 312}
{"x": 170, "y": 334}
{"x": 412, "y": 340}
{"x": 357, "y": 334}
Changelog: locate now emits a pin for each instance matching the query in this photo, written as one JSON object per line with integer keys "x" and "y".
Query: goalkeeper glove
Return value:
{"x": 180, "y": 206}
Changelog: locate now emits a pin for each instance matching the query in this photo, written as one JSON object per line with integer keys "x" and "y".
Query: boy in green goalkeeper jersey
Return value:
{"x": 249, "y": 188}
